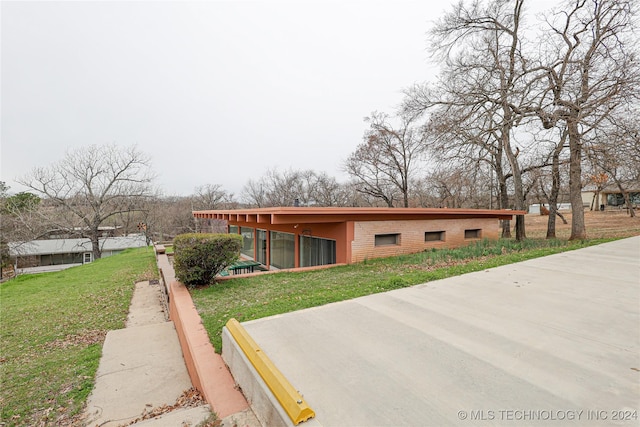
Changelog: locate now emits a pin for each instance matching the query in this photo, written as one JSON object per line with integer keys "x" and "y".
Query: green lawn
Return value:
{"x": 270, "y": 294}
{"x": 52, "y": 327}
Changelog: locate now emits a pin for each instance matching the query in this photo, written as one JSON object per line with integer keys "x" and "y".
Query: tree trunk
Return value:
{"x": 388, "y": 200}
{"x": 551, "y": 222}
{"x": 517, "y": 186}
{"x": 595, "y": 200}
{"x": 506, "y": 228}
{"x": 578, "y": 228}
{"x": 503, "y": 196}
{"x": 95, "y": 246}
{"x": 405, "y": 193}
{"x": 94, "y": 235}
{"x": 555, "y": 189}
{"x": 627, "y": 198}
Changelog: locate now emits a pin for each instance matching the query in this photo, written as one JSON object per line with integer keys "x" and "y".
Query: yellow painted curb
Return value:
{"x": 292, "y": 402}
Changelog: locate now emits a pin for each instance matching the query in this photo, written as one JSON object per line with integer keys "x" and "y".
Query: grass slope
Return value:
{"x": 270, "y": 294}
{"x": 52, "y": 327}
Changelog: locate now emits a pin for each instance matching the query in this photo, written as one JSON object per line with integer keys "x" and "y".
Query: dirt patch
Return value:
{"x": 607, "y": 224}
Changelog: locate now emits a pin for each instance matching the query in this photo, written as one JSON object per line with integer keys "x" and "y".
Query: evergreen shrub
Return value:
{"x": 199, "y": 257}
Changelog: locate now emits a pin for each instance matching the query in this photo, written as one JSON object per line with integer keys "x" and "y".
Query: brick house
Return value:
{"x": 292, "y": 237}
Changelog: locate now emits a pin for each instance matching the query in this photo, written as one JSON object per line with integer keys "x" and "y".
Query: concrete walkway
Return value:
{"x": 142, "y": 368}
{"x": 550, "y": 341}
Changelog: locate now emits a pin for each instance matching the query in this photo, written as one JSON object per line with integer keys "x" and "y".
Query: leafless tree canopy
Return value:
{"x": 211, "y": 196}
{"x": 587, "y": 72}
{"x": 503, "y": 84}
{"x": 383, "y": 165}
{"x": 294, "y": 187}
{"x": 93, "y": 184}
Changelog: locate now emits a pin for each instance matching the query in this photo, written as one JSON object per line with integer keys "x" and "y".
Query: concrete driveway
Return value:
{"x": 551, "y": 341}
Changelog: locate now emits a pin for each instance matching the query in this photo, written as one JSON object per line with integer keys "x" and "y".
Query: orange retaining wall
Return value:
{"x": 208, "y": 372}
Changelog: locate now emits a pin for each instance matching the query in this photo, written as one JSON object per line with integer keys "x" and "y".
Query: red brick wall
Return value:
{"x": 412, "y": 235}
{"x": 207, "y": 370}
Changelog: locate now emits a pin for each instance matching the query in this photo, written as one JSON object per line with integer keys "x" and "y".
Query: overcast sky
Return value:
{"x": 215, "y": 92}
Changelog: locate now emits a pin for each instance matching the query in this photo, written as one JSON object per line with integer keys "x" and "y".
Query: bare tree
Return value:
{"x": 492, "y": 83}
{"x": 543, "y": 171}
{"x": 599, "y": 181}
{"x": 295, "y": 187}
{"x": 211, "y": 196}
{"x": 465, "y": 135}
{"x": 168, "y": 216}
{"x": 92, "y": 184}
{"x": 21, "y": 220}
{"x": 423, "y": 193}
{"x": 254, "y": 193}
{"x": 283, "y": 188}
{"x": 329, "y": 192}
{"x": 384, "y": 164}
{"x": 457, "y": 186}
{"x": 587, "y": 72}
{"x": 480, "y": 90}
{"x": 356, "y": 198}
{"x": 206, "y": 197}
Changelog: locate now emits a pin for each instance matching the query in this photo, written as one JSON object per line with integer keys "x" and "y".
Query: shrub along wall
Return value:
{"x": 200, "y": 257}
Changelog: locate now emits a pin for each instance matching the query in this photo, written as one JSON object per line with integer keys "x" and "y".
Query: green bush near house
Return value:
{"x": 199, "y": 257}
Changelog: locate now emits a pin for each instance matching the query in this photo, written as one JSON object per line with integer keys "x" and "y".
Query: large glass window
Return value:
{"x": 261, "y": 241}
{"x": 316, "y": 251}
{"x": 283, "y": 247}
{"x": 248, "y": 241}
{"x": 233, "y": 229}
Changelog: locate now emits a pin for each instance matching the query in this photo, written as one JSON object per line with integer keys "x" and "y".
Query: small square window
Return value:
{"x": 472, "y": 234}
{"x": 434, "y": 236}
{"x": 387, "y": 239}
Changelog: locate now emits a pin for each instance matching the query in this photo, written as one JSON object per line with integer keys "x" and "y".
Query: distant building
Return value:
{"x": 611, "y": 196}
{"x": 78, "y": 232}
{"x": 535, "y": 208}
{"x": 40, "y": 253}
{"x": 293, "y": 237}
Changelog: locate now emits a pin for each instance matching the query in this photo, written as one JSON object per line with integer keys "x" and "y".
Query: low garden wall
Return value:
{"x": 208, "y": 372}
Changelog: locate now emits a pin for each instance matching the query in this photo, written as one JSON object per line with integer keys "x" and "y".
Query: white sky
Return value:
{"x": 215, "y": 92}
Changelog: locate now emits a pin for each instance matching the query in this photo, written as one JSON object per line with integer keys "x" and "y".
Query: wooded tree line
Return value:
{"x": 525, "y": 109}
{"x": 529, "y": 96}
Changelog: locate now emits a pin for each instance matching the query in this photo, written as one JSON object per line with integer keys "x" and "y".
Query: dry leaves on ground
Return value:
{"x": 188, "y": 399}
{"x": 86, "y": 338}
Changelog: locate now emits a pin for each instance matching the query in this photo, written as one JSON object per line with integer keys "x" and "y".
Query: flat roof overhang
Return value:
{"x": 306, "y": 215}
